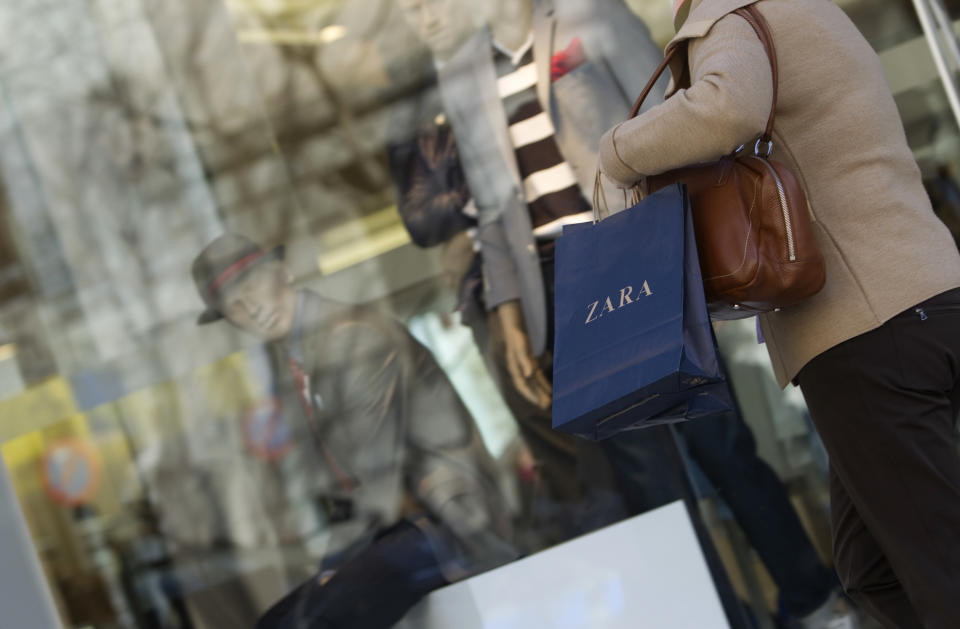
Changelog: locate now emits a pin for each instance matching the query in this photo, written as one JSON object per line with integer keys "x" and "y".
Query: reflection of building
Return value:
{"x": 134, "y": 132}
{"x": 134, "y": 135}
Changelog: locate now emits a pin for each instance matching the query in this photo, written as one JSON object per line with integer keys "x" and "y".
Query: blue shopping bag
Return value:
{"x": 634, "y": 346}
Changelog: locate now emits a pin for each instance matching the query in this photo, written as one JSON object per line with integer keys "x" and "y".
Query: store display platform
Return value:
{"x": 646, "y": 572}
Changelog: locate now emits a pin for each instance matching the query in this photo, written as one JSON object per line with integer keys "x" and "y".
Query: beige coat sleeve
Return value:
{"x": 726, "y": 105}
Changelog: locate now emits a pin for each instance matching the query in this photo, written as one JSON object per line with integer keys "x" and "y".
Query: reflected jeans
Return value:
{"x": 725, "y": 449}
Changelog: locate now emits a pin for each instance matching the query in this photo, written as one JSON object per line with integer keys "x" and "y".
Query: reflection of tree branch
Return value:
{"x": 115, "y": 138}
{"x": 122, "y": 97}
{"x": 373, "y": 172}
{"x": 380, "y": 16}
{"x": 139, "y": 121}
{"x": 190, "y": 51}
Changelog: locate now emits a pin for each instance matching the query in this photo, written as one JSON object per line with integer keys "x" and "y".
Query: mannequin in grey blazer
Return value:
{"x": 582, "y": 104}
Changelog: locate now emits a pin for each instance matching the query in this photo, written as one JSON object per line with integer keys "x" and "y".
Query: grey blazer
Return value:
{"x": 583, "y": 104}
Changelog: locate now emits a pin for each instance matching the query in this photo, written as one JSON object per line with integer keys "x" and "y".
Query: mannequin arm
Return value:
{"x": 527, "y": 376}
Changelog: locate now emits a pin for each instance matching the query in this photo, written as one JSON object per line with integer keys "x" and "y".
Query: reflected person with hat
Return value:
{"x": 406, "y": 488}
{"x": 262, "y": 303}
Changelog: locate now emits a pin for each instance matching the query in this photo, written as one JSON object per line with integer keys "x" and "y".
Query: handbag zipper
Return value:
{"x": 788, "y": 224}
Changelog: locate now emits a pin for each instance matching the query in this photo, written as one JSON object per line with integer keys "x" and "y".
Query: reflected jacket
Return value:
{"x": 619, "y": 56}
{"x": 839, "y": 131}
{"x": 392, "y": 437}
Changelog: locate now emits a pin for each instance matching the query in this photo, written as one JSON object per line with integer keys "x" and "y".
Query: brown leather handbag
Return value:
{"x": 754, "y": 233}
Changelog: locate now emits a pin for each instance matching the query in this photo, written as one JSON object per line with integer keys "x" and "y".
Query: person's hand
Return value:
{"x": 527, "y": 376}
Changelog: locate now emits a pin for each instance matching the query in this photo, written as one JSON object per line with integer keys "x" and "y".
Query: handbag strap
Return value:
{"x": 762, "y": 28}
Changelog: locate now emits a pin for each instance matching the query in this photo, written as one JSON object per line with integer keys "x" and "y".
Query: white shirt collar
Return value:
{"x": 515, "y": 55}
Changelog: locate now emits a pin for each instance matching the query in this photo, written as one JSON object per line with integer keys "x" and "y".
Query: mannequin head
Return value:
{"x": 443, "y": 25}
{"x": 250, "y": 287}
{"x": 509, "y": 20}
{"x": 262, "y": 302}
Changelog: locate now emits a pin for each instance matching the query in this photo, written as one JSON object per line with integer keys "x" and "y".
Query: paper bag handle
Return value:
{"x": 599, "y": 194}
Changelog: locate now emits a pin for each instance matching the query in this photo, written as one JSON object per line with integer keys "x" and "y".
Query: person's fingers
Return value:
{"x": 528, "y": 392}
{"x": 520, "y": 382}
{"x": 543, "y": 400}
{"x": 525, "y": 360}
{"x": 541, "y": 388}
{"x": 513, "y": 365}
{"x": 544, "y": 383}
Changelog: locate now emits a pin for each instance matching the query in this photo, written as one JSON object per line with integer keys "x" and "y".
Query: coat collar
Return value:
{"x": 703, "y": 15}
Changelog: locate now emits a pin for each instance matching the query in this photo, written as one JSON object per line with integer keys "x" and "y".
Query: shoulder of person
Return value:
{"x": 332, "y": 332}
{"x": 358, "y": 331}
{"x": 716, "y": 19}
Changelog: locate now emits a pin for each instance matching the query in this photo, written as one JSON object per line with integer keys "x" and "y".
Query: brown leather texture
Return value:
{"x": 743, "y": 238}
{"x": 754, "y": 233}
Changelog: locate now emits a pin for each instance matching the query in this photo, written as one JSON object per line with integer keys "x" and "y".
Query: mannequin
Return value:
{"x": 510, "y": 24}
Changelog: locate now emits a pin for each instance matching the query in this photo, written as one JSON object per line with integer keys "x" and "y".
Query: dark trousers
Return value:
{"x": 885, "y": 405}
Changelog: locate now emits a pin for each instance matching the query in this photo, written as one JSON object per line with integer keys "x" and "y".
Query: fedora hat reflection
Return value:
{"x": 221, "y": 264}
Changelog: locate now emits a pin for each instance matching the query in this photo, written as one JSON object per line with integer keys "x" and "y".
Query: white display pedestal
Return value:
{"x": 643, "y": 573}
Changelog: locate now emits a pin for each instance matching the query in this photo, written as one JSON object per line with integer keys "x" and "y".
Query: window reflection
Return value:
{"x": 352, "y": 417}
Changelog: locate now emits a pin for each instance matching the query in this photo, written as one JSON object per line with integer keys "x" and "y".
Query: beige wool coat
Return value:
{"x": 837, "y": 128}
